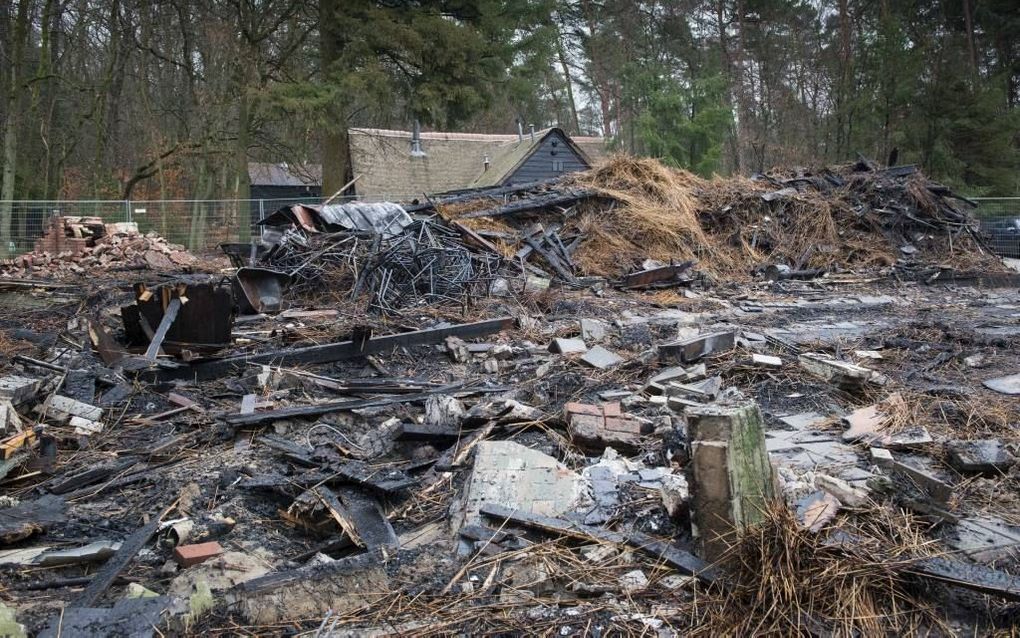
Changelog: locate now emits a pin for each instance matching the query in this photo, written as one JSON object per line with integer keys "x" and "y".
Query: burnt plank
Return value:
{"x": 331, "y": 352}
{"x": 683, "y": 561}
{"x": 118, "y": 563}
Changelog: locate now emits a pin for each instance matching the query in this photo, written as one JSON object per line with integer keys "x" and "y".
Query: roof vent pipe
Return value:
{"x": 416, "y": 150}
{"x": 520, "y": 130}
{"x": 532, "y": 132}
{"x": 485, "y": 163}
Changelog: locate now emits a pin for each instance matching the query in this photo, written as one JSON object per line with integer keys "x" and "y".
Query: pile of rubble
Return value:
{"x": 79, "y": 246}
{"x": 470, "y": 452}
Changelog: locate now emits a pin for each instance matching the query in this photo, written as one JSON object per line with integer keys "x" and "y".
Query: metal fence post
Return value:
{"x": 127, "y": 210}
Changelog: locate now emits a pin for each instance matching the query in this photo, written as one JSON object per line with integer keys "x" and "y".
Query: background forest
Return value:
{"x": 171, "y": 99}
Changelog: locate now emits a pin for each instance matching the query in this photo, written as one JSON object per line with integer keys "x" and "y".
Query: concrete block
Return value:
{"x": 568, "y": 346}
{"x": 1004, "y": 385}
{"x": 599, "y": 357}
{"x": 18, "y": 389}
{"x": 62, "y": 407}
{"x": 690, "y": 350}
{"x": 839, "y": 373}
{"x": 731, "y": 475}
{"x": 980, "y": 456}
{"x": 592, "y": 330}
{"x": 766, "y": 361}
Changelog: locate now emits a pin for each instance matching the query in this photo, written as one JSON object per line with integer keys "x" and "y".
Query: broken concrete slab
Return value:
{"x": 568, "y": 346}
{"x": 592, "y": 330}
{"x": 985, "y": 538}
{"x": 905, "y": 439}
{"x": 703, "y": 391}
{"x": 846, "y": 376}
{"x": 61, "y": 407}
{"x": 193, "y": 590}
{"x": 510, "y": 474}
{"x": 694, "y": 348}
{"x": 599, "y": 357}
{"x": 927, "y": 482}
{"x": 17, "y": 389}
{"x": 817, "y": 509}
{"x": 842, "y": 490}
{"x": 865, "y": 424}
{"x": 986, "y": 456}
{"x": 93, "y": 552}
{"x": 10, "y": 420}
{"x": 1004, "y": 385}
{"x": 766, "y": 361}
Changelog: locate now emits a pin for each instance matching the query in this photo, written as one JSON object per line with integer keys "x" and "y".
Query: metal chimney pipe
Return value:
{"x": 532, "y": 127}
{"x": 416, "y": 150}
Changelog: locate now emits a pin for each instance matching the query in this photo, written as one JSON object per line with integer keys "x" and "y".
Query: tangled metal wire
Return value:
{"x": 424, "y": 264}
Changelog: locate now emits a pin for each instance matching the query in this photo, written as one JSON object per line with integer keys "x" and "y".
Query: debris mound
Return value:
{"x": 850, "y": 217}
{"x": 652, "y": 213}
{"x": 81, "y": 246}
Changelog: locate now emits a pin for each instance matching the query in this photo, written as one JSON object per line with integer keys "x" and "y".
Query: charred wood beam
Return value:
{"x": 331, "y": 352}
{"x": 555, "y": 198}
{"x": 683, "y": 561}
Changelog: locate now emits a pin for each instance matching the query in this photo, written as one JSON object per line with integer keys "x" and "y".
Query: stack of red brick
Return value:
{"x": 86, "y": 245}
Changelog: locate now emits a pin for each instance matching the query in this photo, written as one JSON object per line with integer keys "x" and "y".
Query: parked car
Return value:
{"x": 1003, "y": 235}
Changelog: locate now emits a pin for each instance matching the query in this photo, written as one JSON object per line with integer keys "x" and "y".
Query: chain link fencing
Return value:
{"x": 199, "y": 225}
{"x": 1000, "y": 224}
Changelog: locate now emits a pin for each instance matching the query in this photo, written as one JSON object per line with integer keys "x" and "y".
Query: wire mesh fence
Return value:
{"x": 1000, "y": 224}
{"x": 199, "y": 225}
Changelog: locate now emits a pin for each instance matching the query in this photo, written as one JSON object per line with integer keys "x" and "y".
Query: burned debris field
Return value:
{"x": 628, "y": 401}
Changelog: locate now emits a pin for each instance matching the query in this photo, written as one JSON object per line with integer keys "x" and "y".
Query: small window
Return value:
{"x": 557, "y": 165}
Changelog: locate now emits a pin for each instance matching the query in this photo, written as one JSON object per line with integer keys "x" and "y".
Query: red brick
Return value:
{"x": 582, "y": 408}
{"x": 611, "y": 409}
{"x": 630, "y": 426}
{"x": 188, "y": 555}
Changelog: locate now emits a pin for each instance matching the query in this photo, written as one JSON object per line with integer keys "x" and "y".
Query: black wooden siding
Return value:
{"x": 540, "y": 165}
{"x": 266, "y": 191}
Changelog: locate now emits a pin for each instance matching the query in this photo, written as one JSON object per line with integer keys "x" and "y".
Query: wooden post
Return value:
{"x": 731, "y": 477}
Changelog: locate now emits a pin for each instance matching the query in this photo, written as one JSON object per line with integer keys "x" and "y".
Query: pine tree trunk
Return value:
{"x": 11, "y": 126}
{"x": 336, "y": 161}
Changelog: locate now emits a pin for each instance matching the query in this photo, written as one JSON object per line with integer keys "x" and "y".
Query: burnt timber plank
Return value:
{"x": 113, "y": 567}
{"x": 537, "y": 202}
{"x": 169, "y": 316}
{"x": 683, "y": 561}
{"x": 655, "y": 275}
{"x": 319, "y": 409}
{"x": 968, "y": 576}
{"x": 330, "y": 352}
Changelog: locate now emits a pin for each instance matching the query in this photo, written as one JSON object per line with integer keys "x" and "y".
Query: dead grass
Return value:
{"x": 789, "y": 581}
{"x": 654, "y": 215}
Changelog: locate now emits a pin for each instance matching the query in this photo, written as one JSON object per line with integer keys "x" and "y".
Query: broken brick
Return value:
{"x": 188, "y": 555}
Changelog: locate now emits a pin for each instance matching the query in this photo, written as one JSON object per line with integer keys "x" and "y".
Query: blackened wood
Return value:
{"x": 118, "y": 563}
{"x": 169, "y": 316}
{"x": 331, "y": 352}
{"x": 683, "y": 561}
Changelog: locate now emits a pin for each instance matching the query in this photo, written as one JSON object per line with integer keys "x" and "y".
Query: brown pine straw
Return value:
{"x": 788, "y": 581}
